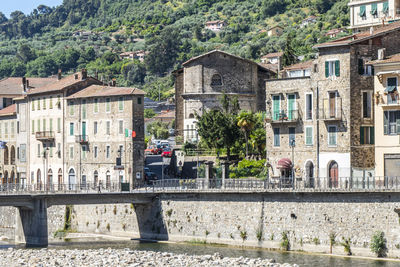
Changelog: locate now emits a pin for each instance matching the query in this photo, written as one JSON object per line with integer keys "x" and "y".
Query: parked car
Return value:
{"x": 167, "y": 152}
{"x": 149, "y": 150}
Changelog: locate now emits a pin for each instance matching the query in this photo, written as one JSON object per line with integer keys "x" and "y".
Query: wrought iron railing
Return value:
{"x": 81, "y": 139}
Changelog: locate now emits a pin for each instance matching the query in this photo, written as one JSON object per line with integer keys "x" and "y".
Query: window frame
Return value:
{"x": 306, "y": 106}
{"x": 108, "y": 104}
{"x": 277, "y": 134}
{"x": 335, "y": 135}
{"x": 312, "y": 135}
{"x": 368, "y": 102}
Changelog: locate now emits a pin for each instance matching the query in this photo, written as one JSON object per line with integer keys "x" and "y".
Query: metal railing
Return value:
{"x": 283, "y": 116}
{"x": 81, "y": 139}
{"x": 332, "y": 109}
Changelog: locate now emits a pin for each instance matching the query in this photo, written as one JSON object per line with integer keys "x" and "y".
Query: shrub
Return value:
{"x": 332, "y": 242}
{"x": 316, "y": 241}
{"x": 346, "y": 245}
{"x": 259, "y": 234}
{"x": 247, "y": 168}
{"x": 285, "y": 244}
{"x": 378, "y": 244}
{"x": 168, "y": 212}
{"x": 243, "y": 235}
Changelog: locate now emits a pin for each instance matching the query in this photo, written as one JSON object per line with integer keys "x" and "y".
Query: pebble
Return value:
{"x": 121, "y": 258}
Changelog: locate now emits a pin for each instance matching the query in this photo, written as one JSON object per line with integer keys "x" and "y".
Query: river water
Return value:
{"x": 302, "y": 259}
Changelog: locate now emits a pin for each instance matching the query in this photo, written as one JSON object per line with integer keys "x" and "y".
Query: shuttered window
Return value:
{"x": 391, "y": 122}
{"x": 367, "y": 135}
{"x": 362, "y": 11}
{"x": 277, "y": 137}
{"x": 332, "y": 68}
{"x": 332, "y": 134}
{"x": 309, "y": 136}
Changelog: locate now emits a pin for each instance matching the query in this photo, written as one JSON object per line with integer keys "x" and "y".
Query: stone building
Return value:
{"x": 8, "y": 131}
{"x": 202, "y": 81}
{"x": 387, "y": 116}
{"x": 365, "y": 14}
{"x": 341, "y": 99}
{"x": 99, "y": 146}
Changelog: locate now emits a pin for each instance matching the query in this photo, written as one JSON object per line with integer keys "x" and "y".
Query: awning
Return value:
{"x": 390, "y": 89}
{"x": 284, "y": 163}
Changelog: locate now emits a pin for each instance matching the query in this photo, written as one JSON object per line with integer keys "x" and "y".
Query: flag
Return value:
{"x": 133, "y": 134}
{"x": 128, "y": 133}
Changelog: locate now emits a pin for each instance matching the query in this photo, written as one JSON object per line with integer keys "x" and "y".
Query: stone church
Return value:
{"x": 201, "y": 82}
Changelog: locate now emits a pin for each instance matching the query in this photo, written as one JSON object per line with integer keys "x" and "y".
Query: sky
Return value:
{"x": 26, "y": 6}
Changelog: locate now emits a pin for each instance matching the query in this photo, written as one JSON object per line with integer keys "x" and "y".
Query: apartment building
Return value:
{"x": 8, "y": 131}
{"x": 330, "y": 115}
{"x": 365, "y": 14}
{"x": 99, "y": 146}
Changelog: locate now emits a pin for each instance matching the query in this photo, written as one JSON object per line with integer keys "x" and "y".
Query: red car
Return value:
{"x": 167, "y": 152}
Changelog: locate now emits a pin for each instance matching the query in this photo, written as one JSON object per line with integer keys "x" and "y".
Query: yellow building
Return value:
{"x": 387, "y": 117}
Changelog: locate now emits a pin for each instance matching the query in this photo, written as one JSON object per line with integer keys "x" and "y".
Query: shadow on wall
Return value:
{"x": 150, "y": 220}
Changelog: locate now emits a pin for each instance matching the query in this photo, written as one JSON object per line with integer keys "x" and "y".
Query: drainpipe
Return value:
{"x": 319, "y": 175}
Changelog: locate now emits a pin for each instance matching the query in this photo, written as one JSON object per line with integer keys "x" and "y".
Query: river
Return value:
{"x": 302, "y": 259}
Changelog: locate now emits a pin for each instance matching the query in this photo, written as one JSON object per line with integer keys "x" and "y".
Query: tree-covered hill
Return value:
{"x": 172, "y": 31}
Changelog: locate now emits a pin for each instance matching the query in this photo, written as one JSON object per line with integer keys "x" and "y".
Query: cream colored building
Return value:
{"x": 387, "y": 117}
{"x": 8, "y": 137}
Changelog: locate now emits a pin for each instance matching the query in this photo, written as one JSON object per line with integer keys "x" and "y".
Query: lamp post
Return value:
{"x": 292, "y": 144}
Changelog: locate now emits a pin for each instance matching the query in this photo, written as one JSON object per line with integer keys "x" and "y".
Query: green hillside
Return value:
{"x": 172, "y": 31}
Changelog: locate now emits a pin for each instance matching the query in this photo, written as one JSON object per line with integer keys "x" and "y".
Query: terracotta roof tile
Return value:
{"x": 391, "y": 59}
{"x": 272, "y": 67}
{"x": 170, "y": 114}
{"x": 13, "y": 85}
{"x": 300, "y": 66}
{"x": 104, "y": 90}
{"x": 8, "y": 111}
{"x": 271, "y": 55}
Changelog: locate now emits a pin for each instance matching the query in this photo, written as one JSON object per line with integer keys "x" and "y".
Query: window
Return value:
{"x": 58, "y": 125}
{"x": 12, "y": 129}
{"x": 367, "y": 135}
{"x": 95, "y": 152}
{"x": 291, "y": 107}
{"x": 58, "y": 102}
{"x": 38, "y": 125}
{"x": 108, "y": 127}
{"x": 38, "y": 150}
{"x": 391, "y": 88}
{"x": 366, "y": 106}
{"x": 59, "y": 150}
{"x": 108, "y": 104}
{"x": 309, "y": 105}
{"x": 71, "y": 108}
{"x": 391, "y": 122}
{"x": 364, "y": 69}
{"x": 71, "y": 152}
{"x": 108, "y": 152}
{"x": 276, "y": 100}
{"x": 120, "y": 150}
{"x": 17, "y": 127}
{"x": 6, "y": 130}
{"x": 363, "y": 13}
{"x": 71, "y": 129}
{"x": 374, "y": 10}
{"x": 120, "y": 126}
{"x": 121, "y": 103}
{"x": 33, "y": 126}
{"x": 332, "y": 68}
{"x": 84, "y": 109}
{"x": 385, "y": 8}
{"x": 292, "y": 135}
{"x": 38, "y": 103}
{"x": 22, "y": 152}
{"x": 95, "y": 127}
{"x": 332, "y": 135}
{"x": 309, "y": 135}
{"x": 44, "y": 125}
{"x": 84, "y": 150}
{"x": 51, "y": 151}
{"x": 44, "y": 103}
{"x": 216, "y": 80}
{"x": 277, "y": 141}
{"x": 51, "y": 102}
{"x": 139, "y": 100}
{"x": 51, "y": 124}
{"x": 33, "y": 105}
{"x": 96, "y": 105}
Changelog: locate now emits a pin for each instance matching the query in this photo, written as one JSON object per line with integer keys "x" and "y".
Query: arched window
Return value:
{"x": 309, "y": 174}
{"x": 49, "y": 177}
{"x": 60, "y": 179}
{"x": 71, "y": 179}
{"x": 333, "y": 174}
{"x": 6, "y": 161}
{"x": 216, "y": 80}
{"x": 12, "y": 155}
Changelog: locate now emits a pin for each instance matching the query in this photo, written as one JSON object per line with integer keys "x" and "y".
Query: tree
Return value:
{"x": 273, "y": 7}
{"x": 158, "y": 129}
{"x": 25, "y": 53}
{"x": 289, "y": 56}
{"x": 246, "y": 122}
{"x": 149, "y": 113}
{"x": 3, "y": 18}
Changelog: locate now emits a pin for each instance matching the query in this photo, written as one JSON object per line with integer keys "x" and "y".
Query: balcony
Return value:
{"x": 82, "y": 139}
{"x": 332, "y": 110}
{"x": 45, "y": 136}
{"x": 283, "y": 116}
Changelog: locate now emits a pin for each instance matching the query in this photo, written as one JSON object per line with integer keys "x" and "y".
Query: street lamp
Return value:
{"x": 292, "y": 144}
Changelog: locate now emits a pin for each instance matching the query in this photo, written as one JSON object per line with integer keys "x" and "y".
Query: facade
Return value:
{"x": 8, "y": 132}
{"x": 272, "y": 58}
{"x": 275, "y": 31}
{"x": 216, "y": 25}
{"x": 340, "y": 100}
{"x": 308, "y": 21}
{"x": 302, "y": 69}
{"x": 139, "y": 55}
{"x": 202, "y": 81}
{"x": 334, "y": 32}
{"x": 365, "y": 14}
{"x": 387, "y": 116}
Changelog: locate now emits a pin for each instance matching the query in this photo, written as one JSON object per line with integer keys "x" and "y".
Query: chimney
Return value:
{"x": 84, "y": 74}
{"x": 381, "y": 53}
{"x": 59, "y": 75}
{"x": 24, "y": 83}
{"x": 113, "y": 82}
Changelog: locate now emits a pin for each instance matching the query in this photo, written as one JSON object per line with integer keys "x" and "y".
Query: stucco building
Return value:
{"x": 202, "y": 81}
{"x": 8, "y": 132}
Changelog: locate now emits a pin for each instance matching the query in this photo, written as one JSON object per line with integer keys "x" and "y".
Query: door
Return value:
{"x": 309, "y": 174}
{"x": 291, "y": 107}
{"x": 276, "y": 106}
{"x": 71, "y": 179}
{"x": 332, "y": 105}
{"x": 84, "y": 131}
{"x": 333, "y": 175}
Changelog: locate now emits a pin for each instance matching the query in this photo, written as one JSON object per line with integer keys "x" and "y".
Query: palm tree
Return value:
{"x": 246, "y": 122}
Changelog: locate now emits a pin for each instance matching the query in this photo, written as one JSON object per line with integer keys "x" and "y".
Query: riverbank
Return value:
{"x": 121, "y": 257}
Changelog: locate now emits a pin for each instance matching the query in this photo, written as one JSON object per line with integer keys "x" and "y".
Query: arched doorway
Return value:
{"x": 108, "y": 180}
{"x": 71, "y": 179}
{"x": 60, "y": 179}
{"x": 5, "y": 178}
{"x": 12, "y": 155}
{"x": 309, "y": 174}
{"x": 39, "y": 179}
{"x": 6, "y": 161}
{"x": 49, "y": 179}
{"x": 95, "y": 178}
{"x": 333, "y": 174}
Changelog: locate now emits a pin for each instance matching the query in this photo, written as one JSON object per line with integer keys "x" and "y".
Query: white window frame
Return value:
{"x": 120, "y": 130}
{"x": 370, "y": 104}
{"x": 312, "y": 135}
{"x": 108, "y": 129}
{"x": 312, "y": 105}
{"x": 105, "y": 101}
{"x": 71, "y": 152}
{"x": 336, "y": 128}
{"x": 108, "y": 151}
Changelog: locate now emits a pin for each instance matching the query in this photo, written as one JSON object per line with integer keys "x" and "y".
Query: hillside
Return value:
{"x": 171, "y": 31}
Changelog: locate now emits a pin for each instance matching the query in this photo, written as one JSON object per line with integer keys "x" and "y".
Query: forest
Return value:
{"x": 48, "y": 39}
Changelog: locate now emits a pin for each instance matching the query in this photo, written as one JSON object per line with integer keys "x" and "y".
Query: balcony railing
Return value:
{"x": 283, "y": 116}
{"x": 82, "y": 139}
{"x": 45, "y": 135}
{"x": 332, "y": 109}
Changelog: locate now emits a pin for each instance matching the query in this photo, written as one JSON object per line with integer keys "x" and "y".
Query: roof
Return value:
{"x": 391, "y": 59}
{"x": 13, "y": 85}
{"x": 9, "y": 111}
{"x": 360, "y": 37}
{"x": 224, "y": 53}
{"x": 104, "y": 90}
{"x": 272, "y": 67}
{"x": 310, "y": 18}
{"x": 300, "y": 66}
{"x": 271, "y": 55}
{"x": 277, "y": 26}
{"x": 169, "y": 114}
{"x": 215, "y": 21}
{"x": 337, "y": 30}
{"x": 58, "y": 85}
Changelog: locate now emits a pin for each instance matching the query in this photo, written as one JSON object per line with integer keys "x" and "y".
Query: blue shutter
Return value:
{"x": 337, "y": 68}
{"x": 326, "y": 69}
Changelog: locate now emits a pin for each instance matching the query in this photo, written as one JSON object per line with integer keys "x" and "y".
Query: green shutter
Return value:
{"x": 385, "y": 122}
{"x": 372, "y": 135}
{"x": 362, "y": 11}
{"x": 337, "y": 68}
{"x": 362, "y": 136}
{"x": 276, "y": 104}
{"x": 385, "y": 7}
{"x": 326, "y": 69}
{"x": 374, "y": 9}
{"x": 291, "y": 101}
{"x": 360, "y": 66}
{"x": 398, "y": 126}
